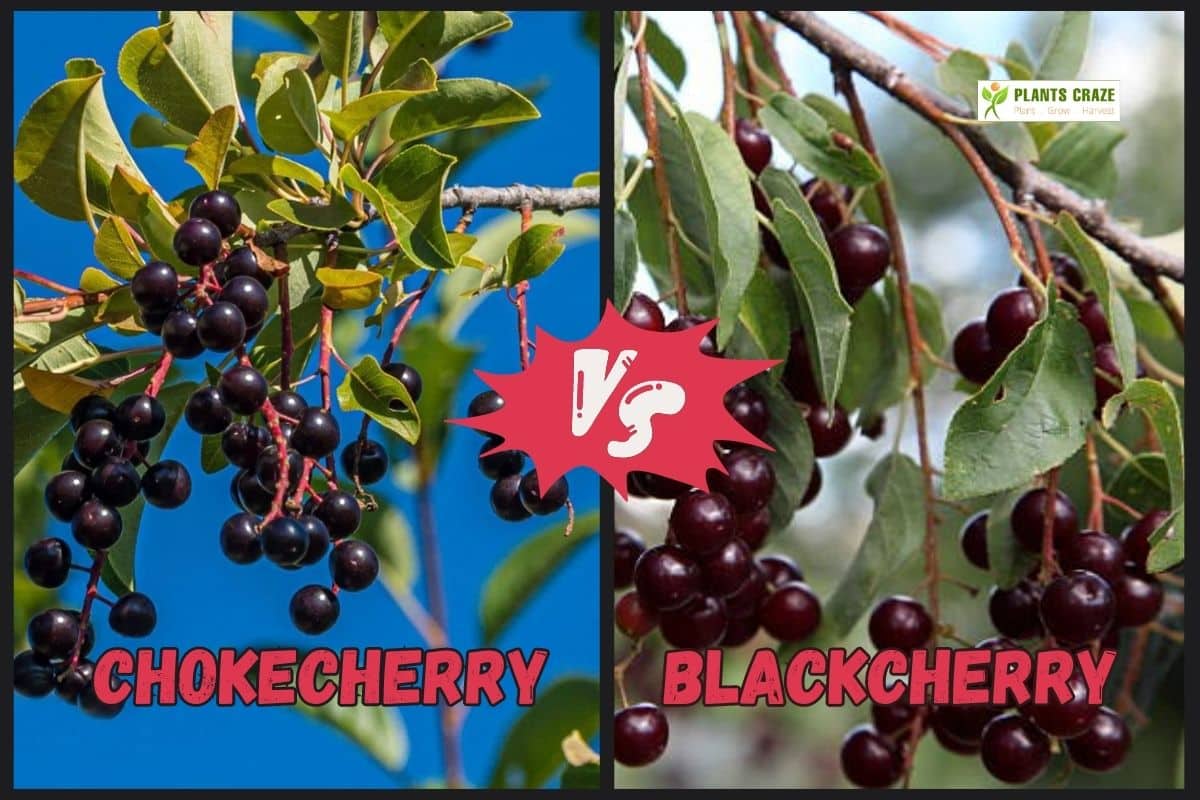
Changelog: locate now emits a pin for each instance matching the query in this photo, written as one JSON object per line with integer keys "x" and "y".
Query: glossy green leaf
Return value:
{"x": 114, "y": 248}
{"x": 411, "y": 185}
{"x": 208, "y": 152}
{"x": 460, "y": 103}
{"x": 182, "y": 68}
{"x": 1081, "y": 156}
{"x": 1065, "y": 47}
{"x": 347, "y": 122}
{"x": 533, "y": 252}
{"x": 894, "y": 535}
{"x": 1157, "y": 402}
{"x": 840, "y": 120}
{"x": 1120, "y": 323}
{"x": 666, "y": 53}
{"x": 1008, "y": 562}
{"x": 826, "y": 316}
{"x": 431, "y": 35}
{"x": 118, "y": 573}
{"x": 382, "y": 397}
{"x": 158, "y": 229}
{"x": 67, "y": 146}
{"x": 532, "y": 749}
{"x": 809, "y": 139}
{"x": 286, "y": 107}
{"x": 340, "y": 38}
{"x": 792, "y": 458}
{"x": 212, "y": 458}
{"x": 721, "y": 182}
{"x": 329, "y": 217}
{"x": 1029, "y": 417}
{"x": 626, "y": 257}
{"x": 516, "y": 579}
{"x": 276, "y": 167}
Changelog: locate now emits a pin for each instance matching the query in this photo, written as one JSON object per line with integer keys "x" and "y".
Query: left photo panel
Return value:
{"x": 260, "y": 261}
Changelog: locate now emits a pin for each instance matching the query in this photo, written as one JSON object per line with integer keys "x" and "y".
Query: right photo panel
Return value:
{"x": 947, "y": 549}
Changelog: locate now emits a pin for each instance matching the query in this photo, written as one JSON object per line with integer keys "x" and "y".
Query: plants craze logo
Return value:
{"x": 1049, "y": 101}
{"x": 621, "y": 400}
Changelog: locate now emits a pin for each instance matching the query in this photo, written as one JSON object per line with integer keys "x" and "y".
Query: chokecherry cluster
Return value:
{"x": 705, "y": 586}
{"x": 514, "y": 496}
{"x": 981, "y": 345}
{"x": 1097, "y": 586}
{"x": 106, "y": 470}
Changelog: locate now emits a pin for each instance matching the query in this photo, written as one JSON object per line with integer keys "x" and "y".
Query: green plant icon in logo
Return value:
{"x": 994, "y": 95}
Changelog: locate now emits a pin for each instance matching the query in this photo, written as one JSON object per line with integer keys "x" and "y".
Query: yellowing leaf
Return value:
{"x": 419, "y": 79}
{"x": 58, "y": 392}
{"x": 348, "y": 288}
{"x": 95, "y": 280}
{"x": 207, "y": 153}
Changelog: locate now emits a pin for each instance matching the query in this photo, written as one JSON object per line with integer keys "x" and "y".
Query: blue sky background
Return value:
{"x": 204, "y": 600}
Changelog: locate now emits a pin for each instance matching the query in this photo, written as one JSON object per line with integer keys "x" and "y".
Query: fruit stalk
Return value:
{"x": 85, "y": 611}
{"x": 728, "y": 73}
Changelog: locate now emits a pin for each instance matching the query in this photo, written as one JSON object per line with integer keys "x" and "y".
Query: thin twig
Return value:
{"x": 728, "y": 72}
{"x": 1093, "y": 216}
{"x": 663, "y": 189}
{"x": 1095, "y": 485}
{"x": 845, "y": 84}
{"x": 767, "y": 38}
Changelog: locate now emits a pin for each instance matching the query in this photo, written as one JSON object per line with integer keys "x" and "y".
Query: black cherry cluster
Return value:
{"x": 705, "y": 586}
{"x": 1095, "y": 586}
{"x": 106, "y": 471}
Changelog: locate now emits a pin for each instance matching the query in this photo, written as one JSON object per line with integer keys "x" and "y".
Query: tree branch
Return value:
{"x": 471, "y": 197}
{"x": 1092, "y": 215}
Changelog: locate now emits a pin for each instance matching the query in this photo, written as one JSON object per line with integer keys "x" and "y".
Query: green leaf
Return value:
{"x": 959, "y": 74}
{"x": 184, "y": 67}
{"x": 792, "y": 458}
{"x": 1065, "y": 48}
{"x": 724, "y": 190}
{"x": 158, "y": 229}
{"x": 442, "y": 363}
{"x": 377, "y": 730}
{"x": 118, "y": 573}
{"x": 666, "y": 53}
{"x": 347, "y": 122}
{"x": 809, "y": 139}
{"x": 207, "y": 154}
{"x": 1120, "y": 323}
{"x": 340, "y": 38}
{"x": 286, "y": 107}
{"x": 1081, "y": 156}
{"x": 1029, "y": 417}
{"x": 411, "y": 185}
{"x": 382, "y": 397}
{"x": 876, "y": 376}
{"x": 1008, "y": 562}
{"x": 765, "y": 319}
{"x": 212, "y": 457}
{"x": 893, "y": 537}
{"x": 460, "y": 103}
{"x": 1017, "y": 62}
{"x": 151, "y": 131}
{"x": 826, "y": 316}
{"x": 331, "y": 217}
{"x": 1157, "y": 402}
{"x": 431, "y": 35}
{"x": 532, "y": 750}
{"x": 267, "y": 355}
{"x": 115, "y": 249}
{"x": 44, "y": 342}
{"x": 1141, "y": 483}
{"x": 586, "y": 179}
{"x": 68, "y": 146}
{"x": 349, "y": 288}
{"x": 626, "y": 262}
{"x": 586, "y": 776}
{"x": 388, "y": 532}
{"x": 533, "y": 252}
{"x": 840, "y": 120}
{"x": 523, "y": 571}
{"x": 275, "y": 166}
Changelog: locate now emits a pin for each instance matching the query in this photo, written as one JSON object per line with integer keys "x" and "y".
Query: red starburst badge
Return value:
{"x": 620, "y": 400}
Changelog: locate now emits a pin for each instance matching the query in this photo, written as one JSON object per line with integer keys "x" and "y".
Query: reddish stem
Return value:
{"x": 85, "y": 611}
{"x": 1049, "y": 562}
{"x": 272, "y": 417}
{"x": 1095, "y": 486}
{"x": 33, "y": 277}
{"x": 160, "y": 374}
